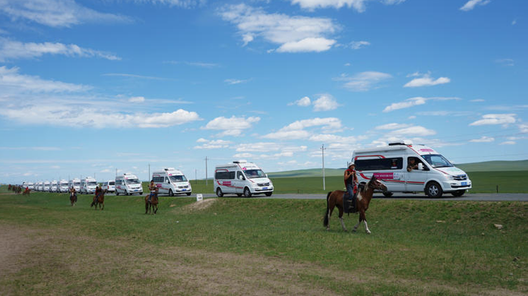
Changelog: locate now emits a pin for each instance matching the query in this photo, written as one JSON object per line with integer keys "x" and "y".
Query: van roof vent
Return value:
{"x": 169, "y": 169}
{"x": 239, "y": 161}
{"x": 397, "y": 143}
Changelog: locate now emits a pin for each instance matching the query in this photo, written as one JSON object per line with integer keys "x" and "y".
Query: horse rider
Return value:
{"x": 73, "y": 191}
{"x": 153, "y": 190}
{"x": 351, "y": 182}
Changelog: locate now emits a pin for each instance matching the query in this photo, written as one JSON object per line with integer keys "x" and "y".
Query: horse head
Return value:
{"x": 374, "y": 183}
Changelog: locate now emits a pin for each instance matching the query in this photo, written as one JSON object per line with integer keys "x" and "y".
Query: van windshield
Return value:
{"x": 437, "y": 161}
{"x": 180, "y": 178}
{"x": 132, "y": 181}
{"x": 252, "y": 174}
{"x": 91, "y": 183}
{"x": 77, "y": 183}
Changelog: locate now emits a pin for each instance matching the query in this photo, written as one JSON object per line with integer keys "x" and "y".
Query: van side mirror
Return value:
{"x": 241, "y": 177}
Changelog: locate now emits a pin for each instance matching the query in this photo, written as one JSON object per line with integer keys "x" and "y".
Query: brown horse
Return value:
{"x": 73, "y": 198}
{"x": 335, "y": 199}
{"x": 98, "y": 200}
{"x": 152, "y": 205}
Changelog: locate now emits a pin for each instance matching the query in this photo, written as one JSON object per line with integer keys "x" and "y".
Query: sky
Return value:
{"x": 104, "y": 87}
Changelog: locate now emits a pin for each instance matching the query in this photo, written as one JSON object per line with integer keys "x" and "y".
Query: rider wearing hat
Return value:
{"x": 351, "y": 182}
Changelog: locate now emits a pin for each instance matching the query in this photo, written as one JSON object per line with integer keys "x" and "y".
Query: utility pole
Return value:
{"x": 148, "y": 177}
{"x": 206, "y": 171}
{"x": 323, "y": 150}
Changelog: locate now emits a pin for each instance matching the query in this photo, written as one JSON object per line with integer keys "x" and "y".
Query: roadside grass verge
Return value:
{"x": 235, "y": 246}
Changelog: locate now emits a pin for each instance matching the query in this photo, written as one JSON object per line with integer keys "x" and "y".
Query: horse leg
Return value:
{"x": 155, "y": 209}
{"x": 364, "y": 218}
{"x": 341, "y": 218}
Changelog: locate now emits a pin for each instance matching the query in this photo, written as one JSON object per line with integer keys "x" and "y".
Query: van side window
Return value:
{"x": 221, "y": 175}
{"x": 394, "y": 163}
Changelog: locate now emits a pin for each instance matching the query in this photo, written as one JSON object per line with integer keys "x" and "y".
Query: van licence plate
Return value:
{"x": 184, "y": 189}
{"x": 464, "y": 183}
{"x": 264, "y": 188}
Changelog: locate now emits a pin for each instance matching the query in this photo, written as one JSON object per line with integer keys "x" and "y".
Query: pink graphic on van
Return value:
{"x": 226, "y": 183}
{"x": 388, "y": 176}
{"x": 426, "y": 150}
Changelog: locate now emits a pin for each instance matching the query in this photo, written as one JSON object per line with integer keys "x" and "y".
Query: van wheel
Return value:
{"x": 117, "y": 193}
{"x": 458, "y": 193}
{"x": 239, "y": 194}
{"x": 171, "y": 193}
{"x": 387, "y": 194}
{"x": 126, "y": 192}
{"x": 189, "y": 193}
{"x": 269, "y": 193}
{"x": 219, "y": 192}
{"x": 433, "y": 190}
{"x": 247, "y": 193}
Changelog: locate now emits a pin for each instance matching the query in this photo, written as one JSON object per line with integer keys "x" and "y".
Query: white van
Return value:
{"x": 88, "y": 185}
{"x": 47, "y": 186}
{"x": 76, "y": 183}
{"x": 432, "y": 173}
{"x": 53, "y": 187}
{"x": 241, "y": 178}
{"x": 63, "y": 186}
{"x": 109, "y": 186}
{"x": 30, "y": 185}
{"x": 128, "y": 184}
{"x": 171, "y": 181}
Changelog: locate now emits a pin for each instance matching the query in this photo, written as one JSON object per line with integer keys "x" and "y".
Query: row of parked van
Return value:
{"x": 402, "y": 167}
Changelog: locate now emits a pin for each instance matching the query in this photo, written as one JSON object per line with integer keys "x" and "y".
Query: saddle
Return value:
{"x": 348, "y": 203}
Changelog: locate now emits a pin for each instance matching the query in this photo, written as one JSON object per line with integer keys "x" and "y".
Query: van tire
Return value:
{"x": 387, "y": 194}
{"x": 219, "y": 192}
{"x": 269, "y": 193}
{"x": 117, "y": 193}
{"x": 458, "y": 193}
{"x": 433, "y": 190}
{"x": 171, "y": 193}
{"x": 247, "y": 192}
{"x": 188, "y": 193}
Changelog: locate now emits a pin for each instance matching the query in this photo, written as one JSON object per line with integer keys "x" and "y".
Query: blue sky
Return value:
{"x": 105, "y": 86}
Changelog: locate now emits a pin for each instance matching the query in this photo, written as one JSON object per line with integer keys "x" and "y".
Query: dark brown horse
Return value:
{"x": 335, "y": 199}
{"x": 98, "y": 200}
{"x": 73, "y": 198}
{"x": 152, "y": 205}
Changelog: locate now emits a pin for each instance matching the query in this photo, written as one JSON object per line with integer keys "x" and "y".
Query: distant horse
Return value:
{"x": 335, "y": 199}
{"x": 73, "y": 198}
{"x": 27, "y": 191}
{"x": 152, "y": 205}
{"x": 98, "y": 200}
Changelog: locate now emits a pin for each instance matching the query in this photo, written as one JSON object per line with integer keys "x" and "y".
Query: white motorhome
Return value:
{"x": 241, "y": 178}
{"x": 47, "y": 186}
{"x": 128, "y": 184}
{"x": 171, "y": 181}
{"x": 30, "y": 185}
{"x": 109, "y": 186}
{"x": 63, "y": 186}
{"x": 76, "y": 183}
{"x": 88, "y": 185}
{"x": 410, "y": 168}
{"x": 53, "y": 187}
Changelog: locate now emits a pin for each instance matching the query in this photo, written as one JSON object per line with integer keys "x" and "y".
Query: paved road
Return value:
{"x": 418, "y": 196}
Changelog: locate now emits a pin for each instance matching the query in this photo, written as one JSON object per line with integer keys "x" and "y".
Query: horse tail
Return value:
{"x": 325, "y": 223}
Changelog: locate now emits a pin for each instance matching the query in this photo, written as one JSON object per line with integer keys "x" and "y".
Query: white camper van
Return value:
{"x": 76, "y": 183}
{"x": 63, "y": 186}
{"x": 241, "y": 178}
{"x": 47, "y": 186}
{"x": 88, "y": 185}
{"x": 128, "y": 184}
{"x": 171, "y": 181}
{"x": 109, "y": 186}
{"x": 54, "y": 186}
{"x": 30, "y": 186}
{"x": 410, "y": 168}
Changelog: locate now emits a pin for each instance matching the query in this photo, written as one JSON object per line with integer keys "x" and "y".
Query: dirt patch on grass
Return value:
{"x": 200, "y": 205}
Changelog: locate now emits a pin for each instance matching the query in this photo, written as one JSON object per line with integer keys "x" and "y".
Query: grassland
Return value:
{"x": 236, "y": 246}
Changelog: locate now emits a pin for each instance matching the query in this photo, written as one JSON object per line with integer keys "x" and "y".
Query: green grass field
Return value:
{"x": 237, "y": 246}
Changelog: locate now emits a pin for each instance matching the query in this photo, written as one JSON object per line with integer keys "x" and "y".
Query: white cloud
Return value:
{"x": 392, "y": 126}
{"x": 17, "y": 50}
{"x": 359, "y": 44}
{"x": 296, "y": 130}
{"x": 136, "y": 100}
{"x": 235, "y": 81}
{"x": 303, "y": 102}
{"x": 212, "y": 144}
{"x": 483, "y": 139}
{"x": 405, "y": 104}
{"x": 358, "y": 5}
{"x": 417, "y": 101}
{"x": 505, "y": 62}
{"x": 363, "y": 81}
{"x": 495, "y": 119}
{"x": 258, "y": 147}
{"x": 426, "y": 80}
{"x": 477, "y": 101}
{"x": 55, "y": 13}
{"x": 231, "y": 126}
{"x": 307, "y": 45}
{"x": 523, "y": 128}
{"x": 325, "y": 103}
{"x": 508, "y": 143}
{"x": 291, "y": 33}
{"x": 413, "y": 131}
{"x": 10, "y": 79}
{"x": 472, "y": 3}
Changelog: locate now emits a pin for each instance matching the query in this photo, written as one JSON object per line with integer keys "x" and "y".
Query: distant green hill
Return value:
{"x": 487, "y": 166}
